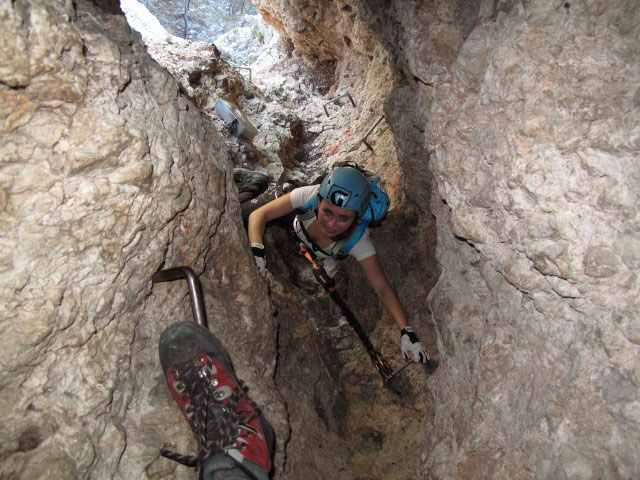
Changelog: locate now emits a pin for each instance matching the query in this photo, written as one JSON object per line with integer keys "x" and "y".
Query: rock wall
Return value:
{"x": 534, "y": 141}
{"x": 512, "y": 127}
{"x": 516, "y": 125}
{"x": 107, "y": 175}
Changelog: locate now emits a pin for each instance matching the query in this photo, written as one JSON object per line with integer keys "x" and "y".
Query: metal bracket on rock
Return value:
{"x": 337, "y": 98}
{"x": 195, "y": 289}
{"x": 392, "y": 375}
{"x": 241, "y": 68}
{"x": 364, "y": 140}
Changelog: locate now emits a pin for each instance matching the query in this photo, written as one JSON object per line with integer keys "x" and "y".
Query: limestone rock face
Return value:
{"x": 516, "y": 125}
{"x": 107, "y": 175}
{"x": 509, "y": 146}
{"x": 534, "y": 141}
{"x": 306, "y": 24}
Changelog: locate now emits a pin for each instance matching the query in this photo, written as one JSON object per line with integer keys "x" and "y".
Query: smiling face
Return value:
{"x": 334, "y": 220}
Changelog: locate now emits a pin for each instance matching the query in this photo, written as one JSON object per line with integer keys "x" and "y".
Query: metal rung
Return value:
{"x": 195, "y": 289}
{"x": 334, "y": 99}
{"x": 364, "y": 140}
{"x": 239, "y": 67}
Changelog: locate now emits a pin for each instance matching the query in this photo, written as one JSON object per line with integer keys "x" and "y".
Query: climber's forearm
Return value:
{"x": 257, "y": 223}
{"x": 378, "y": 281}
{"x": 394, "y": 307}
{"x": 258, "y": 219}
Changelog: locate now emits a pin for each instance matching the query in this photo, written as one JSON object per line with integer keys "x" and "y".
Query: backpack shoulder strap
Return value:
{"x": 306, "y": 210}
{"x": 352, "y": 240}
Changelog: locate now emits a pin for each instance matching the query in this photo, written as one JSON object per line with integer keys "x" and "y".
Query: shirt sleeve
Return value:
{"x": 363, "y": 248}
{"x": 300, "y": 196}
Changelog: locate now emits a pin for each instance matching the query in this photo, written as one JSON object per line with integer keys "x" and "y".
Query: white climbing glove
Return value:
{"x": 411, "y": 346}
{"x": 258, "y": 255}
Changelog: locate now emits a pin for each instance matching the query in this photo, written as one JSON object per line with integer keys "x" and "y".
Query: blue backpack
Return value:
{"x": 373, "y": 216}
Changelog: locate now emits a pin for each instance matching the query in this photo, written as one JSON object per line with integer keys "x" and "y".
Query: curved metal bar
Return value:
{"x": 364, "y": 140}
{"x": 240, "y": 67}
{"x": 336, "y": 98}
{"x": 195, "y": 289}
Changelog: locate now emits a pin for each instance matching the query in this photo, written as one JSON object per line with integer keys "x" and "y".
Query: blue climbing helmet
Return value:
{"x": 346, "y": 187}
{"x": 353, "y": 188}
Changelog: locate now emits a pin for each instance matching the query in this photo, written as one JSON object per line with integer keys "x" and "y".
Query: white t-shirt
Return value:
{"x": 299, "y": 197}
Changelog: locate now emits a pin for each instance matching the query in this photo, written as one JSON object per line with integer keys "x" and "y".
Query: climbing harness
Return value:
{"x": 372, "y": 214}
{"x": 381, "y": 365}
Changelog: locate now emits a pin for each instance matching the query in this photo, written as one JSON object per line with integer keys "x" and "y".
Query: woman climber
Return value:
{"x": 342, "y": 199}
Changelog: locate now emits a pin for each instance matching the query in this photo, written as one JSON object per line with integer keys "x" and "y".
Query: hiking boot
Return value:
{"x": 234, "y": 439}
{"x": 259, "y": 179}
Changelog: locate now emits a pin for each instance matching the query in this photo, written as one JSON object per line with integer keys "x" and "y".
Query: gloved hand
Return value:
{"x": 258, "y": 255}
{"x": 411, "y": 346}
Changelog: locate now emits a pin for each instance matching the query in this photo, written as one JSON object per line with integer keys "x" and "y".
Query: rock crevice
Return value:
{"x": 509, "y": 147}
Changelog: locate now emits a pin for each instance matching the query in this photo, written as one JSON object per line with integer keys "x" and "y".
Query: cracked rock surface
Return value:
{"x": 108, "y": 174}
{"x": 509, "y": 147}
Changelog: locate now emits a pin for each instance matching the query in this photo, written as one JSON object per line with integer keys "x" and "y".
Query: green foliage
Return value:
{"x": 257, "y": 34}
{"x": 288, "y": 105}
{"x": 277, "y": 92}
